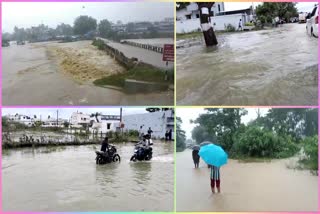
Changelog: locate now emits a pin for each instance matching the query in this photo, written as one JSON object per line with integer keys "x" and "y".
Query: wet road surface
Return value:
{"x": 68, "y": 179}
{"x": 268, "y": 67}
{"x": 255, "y": 187}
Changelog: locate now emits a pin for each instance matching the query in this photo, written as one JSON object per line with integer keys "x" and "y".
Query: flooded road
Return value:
{"x": 258, "y": 187}
{"x": 68, "y": 179}
{"x": 268, "y": 67}
{"x": 33, "y": 75}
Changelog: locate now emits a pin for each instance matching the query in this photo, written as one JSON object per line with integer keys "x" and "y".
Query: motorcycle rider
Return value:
{"x": 105, "y": 145}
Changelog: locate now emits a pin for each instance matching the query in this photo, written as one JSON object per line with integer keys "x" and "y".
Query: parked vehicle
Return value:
{"x": 302, "y": 17}
{"x": 5, "y": 43}
{"x": 312, "y": 22}
{"x": 21, "y": 42}
{"x": 108, "y": 156}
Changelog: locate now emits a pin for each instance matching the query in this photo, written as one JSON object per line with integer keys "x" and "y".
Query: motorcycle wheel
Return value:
{"x": 116, "y": 158}
{"x": 133, "y": 158}
{"x": 99, "y": 160}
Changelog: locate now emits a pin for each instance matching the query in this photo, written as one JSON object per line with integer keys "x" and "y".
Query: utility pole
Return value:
{"x": 57, "y": 118}
{"x": 121, "y": 120}
{"x": 207, "y": 29}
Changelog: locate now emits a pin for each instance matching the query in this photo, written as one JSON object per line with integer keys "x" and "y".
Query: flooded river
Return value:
{"x": 68, "y": 179}
{"x": 268, "y": 67}
{"x": 263, "y": 186}
{"x": 32, "y": 75}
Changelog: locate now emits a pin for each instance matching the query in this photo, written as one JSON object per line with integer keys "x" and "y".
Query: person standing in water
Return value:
{"x": 196, "y": 158}
{"x": 215, "y": 178}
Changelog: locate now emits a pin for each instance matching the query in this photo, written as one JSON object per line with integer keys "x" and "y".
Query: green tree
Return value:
{"x": 222, "y": 123}
{"x": 84, "y": 24}
{"x": 64, "y": 29}
{"x": 269, "y": 10}
{"x": 105, "y": 29}
{"x": 200, "y": 134}
{"x": 285, "y": 121}
{"x": 180, "y": 135}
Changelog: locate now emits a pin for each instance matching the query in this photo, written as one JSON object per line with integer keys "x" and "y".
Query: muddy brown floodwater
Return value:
{"x": 54, "y": 73}
{"x": 256, "y": 187}
{"x": 68, "y": 179}
{"x": 268, "y": 67}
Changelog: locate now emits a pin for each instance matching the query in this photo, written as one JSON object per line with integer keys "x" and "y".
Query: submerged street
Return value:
{"x": 68, "y": 179}
{"x": 245, "y": 187}
{"x": 269, "y": 67}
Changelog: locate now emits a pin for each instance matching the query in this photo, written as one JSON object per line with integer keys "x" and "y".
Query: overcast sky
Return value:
{"x": 301, "y": 6}
{"x": 187, "y": 114}
{"x": 26, "y": 14}
{"x": 65, "y": 113}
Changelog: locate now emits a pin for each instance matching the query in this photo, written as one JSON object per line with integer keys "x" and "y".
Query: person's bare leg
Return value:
{"x": 218, "y": 186}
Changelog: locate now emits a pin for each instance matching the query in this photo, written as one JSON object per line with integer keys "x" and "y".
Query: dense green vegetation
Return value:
{"x": 140, "y": 72}
{"x": 279, "y": 133}
{"x": 269, "y": 10}
{"x": 310, "y": 147}
{"x": 180, "y": 136}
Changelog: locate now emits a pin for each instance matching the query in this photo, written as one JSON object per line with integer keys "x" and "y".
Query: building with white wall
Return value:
{"x": 159, "y": 122}
{"x": 104, "y": 123}
{"x": 79, "y": 120}
{"x": 52, "y": 122}
{"x": 188, "y": 18}
{"x": 20, "y": 118}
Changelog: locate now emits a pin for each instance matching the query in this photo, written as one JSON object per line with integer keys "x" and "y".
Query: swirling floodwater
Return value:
{"x": 68, "y": 179}
{"x": 269, "y": 67}
{"x": 274, "y": 186}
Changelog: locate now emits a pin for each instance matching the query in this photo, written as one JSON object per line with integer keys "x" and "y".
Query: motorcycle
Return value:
{"x": 107, "y": 156}
{"x": 142, "y": 152}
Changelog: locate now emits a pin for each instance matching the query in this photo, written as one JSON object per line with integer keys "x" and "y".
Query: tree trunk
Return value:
{"x": 207, "y": 29}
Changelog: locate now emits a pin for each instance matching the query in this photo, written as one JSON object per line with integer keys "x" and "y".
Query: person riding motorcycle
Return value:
{"x": 105, "y": 145}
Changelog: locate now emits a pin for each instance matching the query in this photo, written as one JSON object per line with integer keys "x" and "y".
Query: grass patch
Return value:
{"x": 189, "y": 35}
{"x": 142, "y": 73}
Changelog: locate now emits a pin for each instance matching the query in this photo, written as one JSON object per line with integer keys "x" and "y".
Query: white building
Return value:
{"x": 53, "y": 122}
{"x": 104, "y": 123}
{"x": 188, "y": 18}
{"x": 159, "y": 122}
{"x": 79, "y": 120}
{"x": 192, "y": 12}
{"x": 24, "y": 119}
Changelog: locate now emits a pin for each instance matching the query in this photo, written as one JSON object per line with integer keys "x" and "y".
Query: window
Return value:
{"x": 188, "y": 16}
{"x": 108, "y": 125}
{"x": 219, "y": 8}
{"x": 198, "y": 15}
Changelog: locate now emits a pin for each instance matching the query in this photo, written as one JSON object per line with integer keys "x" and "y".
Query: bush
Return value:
{"x": 133, "y": 133}
{"x": 230, "y": 28}
{"x": 99, "y": 43}
{"x": 310, "y": 147}
{"x": 255, "y": 142}
{"x": 249, "y": 24}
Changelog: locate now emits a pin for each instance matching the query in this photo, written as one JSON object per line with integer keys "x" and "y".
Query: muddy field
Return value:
{"x": 54, "y": 73}
{"x": 255, "y": 187}
{"x": 269, "y": 67}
